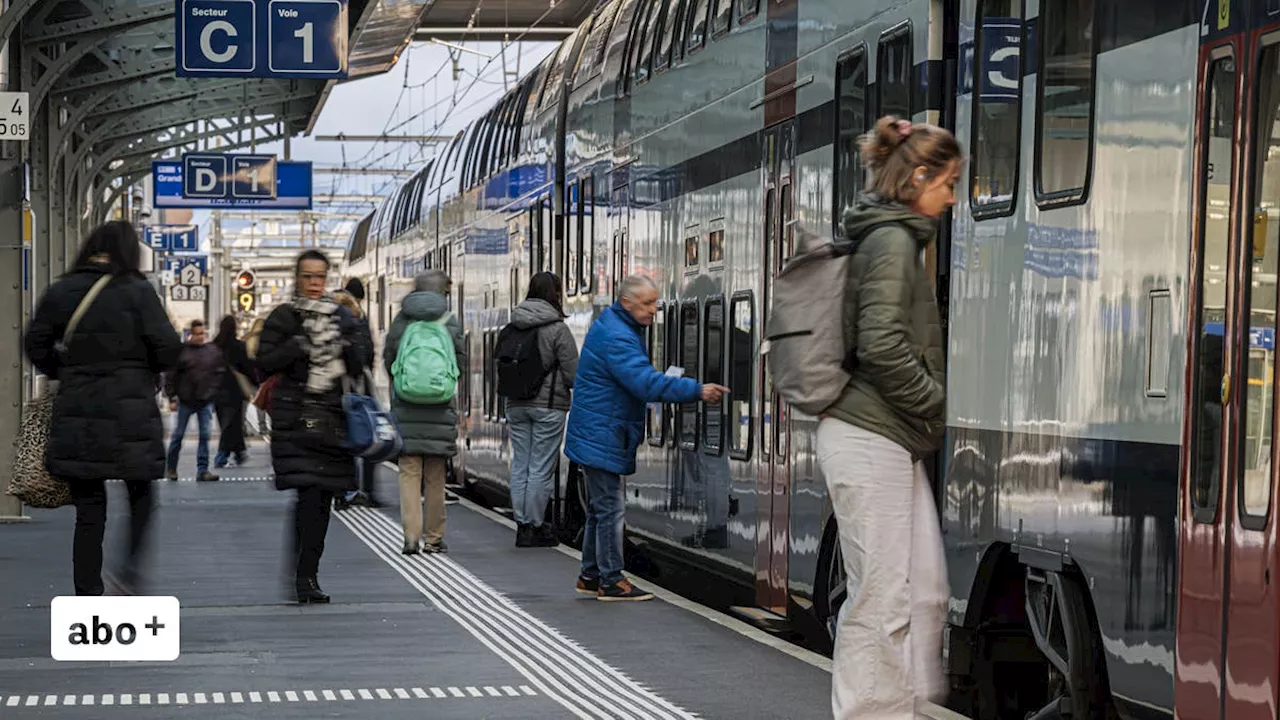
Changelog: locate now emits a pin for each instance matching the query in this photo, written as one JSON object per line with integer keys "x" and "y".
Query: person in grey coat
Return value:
{"x": 430, "y": 432}
{"x": 537, "y": 422}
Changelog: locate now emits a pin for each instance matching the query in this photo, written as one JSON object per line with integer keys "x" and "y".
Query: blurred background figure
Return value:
{"x": 192, "y": 387}
{"x": 106, "y": 422}
{"x": 239, "y": 386}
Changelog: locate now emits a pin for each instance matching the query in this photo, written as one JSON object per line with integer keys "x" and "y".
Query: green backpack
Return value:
{"x": 426, "y": 370}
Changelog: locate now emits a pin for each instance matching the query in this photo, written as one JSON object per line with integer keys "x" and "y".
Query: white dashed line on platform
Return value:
{"x": 245, "y": 478}
{"x": 268, "y": 696}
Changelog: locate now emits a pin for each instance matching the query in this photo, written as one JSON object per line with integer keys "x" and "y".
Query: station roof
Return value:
{"x": 456, "y": 20}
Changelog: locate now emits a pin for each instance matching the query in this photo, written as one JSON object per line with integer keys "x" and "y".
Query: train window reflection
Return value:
{"x": 689, "y": 361}
{"x": 657, "y": 355}
{"x": 670, "y": 28}
{"x": 697, "y": 25}
{"x": 997, "y": 107}
{"x": 748, "y": 9}
{"x": 1255, "y": 496}
{"x": 721, "y": 17}
{"x": 1064, "y": 137}
{"x": 573, "y": 242}
{"x": 894, "y": 73}
{"x": 713, "y": 372}
{"x": 741, "y": 374}
{"x": 1206, "y": 458}
{"x": 851, "y": 109}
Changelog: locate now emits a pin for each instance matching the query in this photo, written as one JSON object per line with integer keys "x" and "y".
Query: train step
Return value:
{"x": 766, "y": 620}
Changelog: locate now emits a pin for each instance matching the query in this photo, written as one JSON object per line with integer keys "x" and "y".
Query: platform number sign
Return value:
{"x": 190, "y": 274}
{"x": 15, "y": 109}
{"x": 262, "y": 38}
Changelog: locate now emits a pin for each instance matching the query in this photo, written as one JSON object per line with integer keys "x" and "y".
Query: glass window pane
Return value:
{"x": 748, "y": 7}
{"x": 851, "y": 110}
{"x": 697, "y": 24}
{"x": 689, "y": 361}
{"x": 657, "y": 355}
{"x": 1206, "y": 447}
{"x": 997, "y": 105}
{"x": 713, "y": 372}
{"x": 1066, "y": 102}
{"x": 894, "y": 75}
{"x": 572, "y": 242}
{"x": 741, "y": 374}
{"x": 1255, "y": 497}
{"x": 720, "y": 23}
{"x": 671, "y": 27}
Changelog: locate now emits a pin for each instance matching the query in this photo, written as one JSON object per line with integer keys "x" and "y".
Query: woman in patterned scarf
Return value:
{"x": 311, "y": 343}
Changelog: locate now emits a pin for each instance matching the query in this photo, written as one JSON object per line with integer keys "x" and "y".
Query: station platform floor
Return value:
{"x": 486, "y": 631}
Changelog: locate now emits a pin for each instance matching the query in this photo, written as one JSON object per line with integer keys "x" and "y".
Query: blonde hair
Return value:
{"x": 348, "y": 301}
{"x": 896, "y": 147}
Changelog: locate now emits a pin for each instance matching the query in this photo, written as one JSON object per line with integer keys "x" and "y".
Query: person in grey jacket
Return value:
{"x": 537, "y": 423}
{"x": 430, "y": 432}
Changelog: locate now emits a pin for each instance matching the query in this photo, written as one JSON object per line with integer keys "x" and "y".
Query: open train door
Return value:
{"x": 1228, "y": 639}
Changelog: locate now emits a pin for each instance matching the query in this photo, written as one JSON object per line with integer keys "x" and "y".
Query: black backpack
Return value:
{"x": 521, "y": 370}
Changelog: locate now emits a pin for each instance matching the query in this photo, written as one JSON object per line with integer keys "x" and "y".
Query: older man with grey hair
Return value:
{"x": 429, "y": 427}
{"x": 606, "y": 424}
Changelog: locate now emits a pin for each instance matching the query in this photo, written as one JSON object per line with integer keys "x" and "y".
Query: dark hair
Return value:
{"x": 197, "y": 324}
{"x": 355, "y": 288}
{"x": 310, "y": 255}
{"x": 896, "y": 147}
{"x": 546, "y": 286}
{"x": 114, "y": 244}
{"x": 226, "y": 332}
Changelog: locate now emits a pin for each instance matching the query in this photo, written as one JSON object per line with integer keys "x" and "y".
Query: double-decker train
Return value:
{"x": 1107, "y": 283}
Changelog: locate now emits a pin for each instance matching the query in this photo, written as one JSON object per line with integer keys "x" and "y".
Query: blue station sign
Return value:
{"x": 292, "y": 184}
{"x": 172, "y": 238}
{"x": 226, "y": 177}
{"x": 262, "y": 38}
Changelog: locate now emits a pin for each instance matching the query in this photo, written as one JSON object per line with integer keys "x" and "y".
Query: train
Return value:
{"x": 1107, "y": 282}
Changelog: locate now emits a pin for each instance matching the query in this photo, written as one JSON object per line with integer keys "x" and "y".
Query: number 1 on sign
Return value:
{"x": 253, "y": 179}
{"x": 307, "y": 34}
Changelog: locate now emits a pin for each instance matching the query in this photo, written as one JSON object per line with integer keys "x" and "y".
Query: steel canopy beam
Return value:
{"x": 228, "y": 104}
{"x": 121, "y": 16}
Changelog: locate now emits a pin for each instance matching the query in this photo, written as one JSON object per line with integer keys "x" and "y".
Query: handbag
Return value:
{"x": 372, "y": 433}
{"x": 31, "y": 483}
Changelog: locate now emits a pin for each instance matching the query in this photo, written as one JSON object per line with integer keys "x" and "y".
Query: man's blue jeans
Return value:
{"x": 204, "y": 416}
{"x": 602, "y": 537}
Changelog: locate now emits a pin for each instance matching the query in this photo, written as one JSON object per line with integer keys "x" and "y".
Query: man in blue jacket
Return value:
{"x": 606, "y": 424}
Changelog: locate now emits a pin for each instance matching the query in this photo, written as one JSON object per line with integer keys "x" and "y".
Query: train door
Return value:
{"x": 773, "y": 483}
{"x": 1228, "y": 605}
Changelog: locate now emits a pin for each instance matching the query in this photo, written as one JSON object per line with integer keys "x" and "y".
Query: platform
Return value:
{"x": 487, "y": 631}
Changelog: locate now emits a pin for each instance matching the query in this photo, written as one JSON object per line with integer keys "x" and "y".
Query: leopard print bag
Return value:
{"x": 32, "y": 483}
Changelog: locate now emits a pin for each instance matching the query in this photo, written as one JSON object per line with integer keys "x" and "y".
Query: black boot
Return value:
{"x": 544, "y": 536}
{"x": 524, "y": 535}
{"x": 309, "y": 591}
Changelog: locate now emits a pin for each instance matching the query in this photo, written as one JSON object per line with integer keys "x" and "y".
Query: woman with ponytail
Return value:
{"x": 873, "y": 441}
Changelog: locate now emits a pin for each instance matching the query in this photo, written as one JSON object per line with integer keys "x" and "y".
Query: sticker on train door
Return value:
{"x": 1224, "y": 14}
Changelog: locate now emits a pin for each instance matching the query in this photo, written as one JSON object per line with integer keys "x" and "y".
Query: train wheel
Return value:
{"x": 1063, "y": 629}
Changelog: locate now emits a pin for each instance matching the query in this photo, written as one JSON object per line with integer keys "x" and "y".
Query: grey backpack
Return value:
{"x": 804, "y": 337}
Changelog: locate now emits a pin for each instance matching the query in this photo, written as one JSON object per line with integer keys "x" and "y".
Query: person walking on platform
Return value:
{"x": 538, "y": 360}
{"x": 872, "y": 441}
{"x": 424, "y": 353}
{"x": 310, "y": 344}
{"x": 615, "y": 381}
{"x": 106, "y": 421}
{"x": 350, "y": 297}
{"x": 239, "y": 384}
{"x": 191, "y": 388}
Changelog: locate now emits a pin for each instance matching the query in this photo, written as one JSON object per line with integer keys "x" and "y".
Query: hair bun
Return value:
{"x": 879, "y": 144}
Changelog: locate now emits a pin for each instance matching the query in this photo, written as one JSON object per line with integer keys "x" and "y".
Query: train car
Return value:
{"x": 1107, "y": 282}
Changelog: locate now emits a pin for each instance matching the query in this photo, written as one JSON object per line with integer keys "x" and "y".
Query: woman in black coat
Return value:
{"x": 311, "y": 343}
{"x": 106, "y": 421}
{"x": 238, "y": 385}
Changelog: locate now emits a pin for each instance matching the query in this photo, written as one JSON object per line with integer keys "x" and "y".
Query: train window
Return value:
{"x": 747, "y": 9}
{"x": 586, "y": 236}
{"x": 635, "y": 35}
{"x": 851, "y": 110}
{"x": 787, "y": 228}
{"x": 671, "y": 357}
{"x": 668, "y": 50}
{"x": 488, "y": 375}
{"x": 713, "y": 372}
{"x": 550, "y": 262}
{"x": 691, "y": 251}
{"x": 721, "y": 18}
{"x": 465, "y": 374}
{"x": 715, "y": 247}
{"x": 573, "y": 241}
{"x": 645, "y": 65}
{"x": 689, "y": 361}
{"x": 997, "y": 108}
{"x": 893, "y": 72}
{"x": 657, "y": 412}
{"x": 1216, "y": 204}
{"x": 741, "y": 373}
{"x": 1260, "y": 284}
{"x": 696, "y": 26}
{"x": 1065, "y": 117}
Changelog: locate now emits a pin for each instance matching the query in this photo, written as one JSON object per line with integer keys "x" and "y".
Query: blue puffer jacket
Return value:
{"x": 613, "y": 384}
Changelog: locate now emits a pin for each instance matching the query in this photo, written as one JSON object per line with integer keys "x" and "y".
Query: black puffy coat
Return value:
{"x": 307, "y": 430}
{"x": 106, "y": 418}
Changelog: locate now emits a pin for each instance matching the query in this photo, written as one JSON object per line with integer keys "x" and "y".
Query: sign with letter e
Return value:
{"x": 262, "y": 38}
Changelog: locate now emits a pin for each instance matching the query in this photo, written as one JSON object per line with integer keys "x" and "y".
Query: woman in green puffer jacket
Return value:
{"x": 872, "y": 441}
